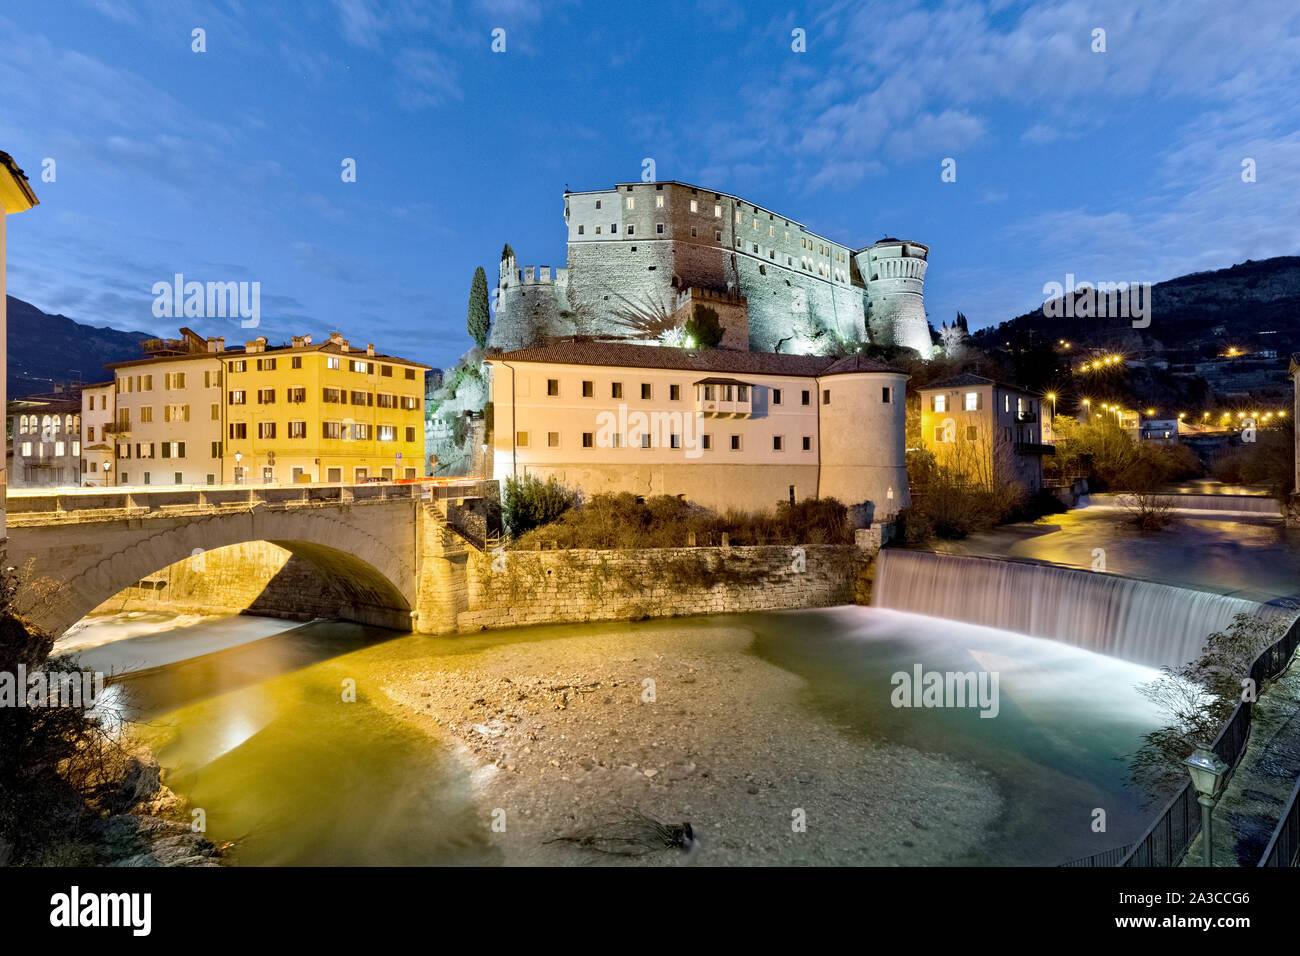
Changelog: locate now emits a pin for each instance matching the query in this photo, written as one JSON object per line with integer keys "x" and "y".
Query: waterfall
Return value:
{"x": 1138, "y": 621}
{"x": 1263, "y": 505}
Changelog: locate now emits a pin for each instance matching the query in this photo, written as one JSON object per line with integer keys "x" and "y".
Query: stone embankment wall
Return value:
{"x": 545, "y": 587}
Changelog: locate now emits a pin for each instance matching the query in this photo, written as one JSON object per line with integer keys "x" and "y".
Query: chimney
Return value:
{"x": 221, "y": 343}
{"x": 370, "y": 348}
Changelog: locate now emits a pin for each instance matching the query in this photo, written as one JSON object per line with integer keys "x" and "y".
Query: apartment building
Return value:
{"x": 196, "y": 412}
{"x": 45, "y": 441}
{"x": 329, "y": 412}
{"x": 98, "y": 412}
{"x": 720, "y": 428}
{"x": 990, "y": 431}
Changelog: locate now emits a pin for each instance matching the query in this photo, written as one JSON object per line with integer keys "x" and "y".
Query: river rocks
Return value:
{"x": 719, "y": 738}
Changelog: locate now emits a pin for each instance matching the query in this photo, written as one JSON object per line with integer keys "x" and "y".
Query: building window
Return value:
{"x": 972, "y": 401}
{"x": 386, "y": 371}
{"x": 553, "y": 386}
{"x": 388, "y": 433}
{"x": 674, "y": 393}
{"x": 941, "y": 434}
{"x": 631, "y": 231}
{"x": 972, "y": 432}
{"x": 807, "y": 443}
{"x": 27, "y": 449}
{"x": 645, "y": 439}
{"x": 266, "y": 396}
{"x": 659, "y": 228}
{"x": 717, "y": 235}
{"x": 521, "y": 439}
{"x": 332, "y": 361}
{"x": 214, "y": 449}
{"x": 552, "y": 439}
{"x": 1006, "y": 403}
{"x": 588, "y": 440}
{"x": 806, "y": 397}
{"x": 616, "y": 390}
{"x": 659, "y": 202}
{"x": 266, "y": 429}
{"x": 707, "y": 442}
{"x": 238, "y": 431}
{"x": 295, "y": 362}
{"x": 631, "y": 202}
{"x": 884, "y": 394}
{"x": 580, "y": 230}
{"x": 597, "y": 203}
{"x": 941, "y": 403}
{"x": 778, "y": 443}
{"x": 717, "y": 211}
{"x": 646, "y": 391}
{"x": 410, "y": 433}
{"x": 735, "y": 443}
{"x": 674, "y": 441}
{"x": 776, "y": 396}
{"x": 331, "y": 430}
{"x": 410, "y": 374}
{"x": 826, "y": 396}
{"x": 588, "y": 389}
{"x": 237, "y": 397}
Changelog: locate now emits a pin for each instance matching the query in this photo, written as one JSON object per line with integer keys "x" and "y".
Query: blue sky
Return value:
{"x": 225, "y": 165}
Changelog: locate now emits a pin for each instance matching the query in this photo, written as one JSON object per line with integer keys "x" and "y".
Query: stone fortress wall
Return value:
{"x": 635, "y": 249}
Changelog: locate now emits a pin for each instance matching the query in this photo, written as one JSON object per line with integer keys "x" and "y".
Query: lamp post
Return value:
{"x": 107, "y": 466}
{"x": 1208, "y": 772}
{"x": 239, "y": 472}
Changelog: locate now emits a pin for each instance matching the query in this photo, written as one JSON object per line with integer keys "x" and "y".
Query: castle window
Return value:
{"x": 771, "y": 231}
{"x": 659, "y": 228}
{"x": 588, "y": 440}
{"x": 884, "y": 394}
{"x": 717, "y": 212}
{"x": 597, "y": 203}
{"x": 755, "y": 223}
{"x": 755, "y": 245}
{"x": 598, "y": 230}
{"x": 717, "y": 235}
{"x": 631, "y": 201}
{"x": 737, "y": 217}
{"x": 693, "y": 232}
{"x": 634, "y": 247}
{"x": 580, "y": 228}
{"x": 762, "y": 270}
{"x": 616, "y": 390}
{"x": 771, "y": 254}
{"x": 631, "y": 230}
{"x": 807, "y": 443}
{"x": 613, "y": 228}
{"x": 553, "y": 386}
{"x": 552, "y": 439}
{"x": 588, "y": 390}
{"x": 778, "y": 443}
{"x": 695, "y": 205}
{"x": 659, "y": 202}
{"x": 776, "y": 396}
{"x": 674, "y": 393}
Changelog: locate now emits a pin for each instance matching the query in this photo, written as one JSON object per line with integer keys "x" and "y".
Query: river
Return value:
{"x": 774, "y": 735}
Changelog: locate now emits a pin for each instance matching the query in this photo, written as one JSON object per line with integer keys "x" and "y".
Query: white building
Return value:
{"x": 98, "y": 413}
{"x": 721, "y": 428}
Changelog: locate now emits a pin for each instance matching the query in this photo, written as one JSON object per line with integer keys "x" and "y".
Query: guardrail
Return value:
{"x": 1284, "y": 848}
{"x": 1109, "y": 857}
{"x": 1167, "y": 839}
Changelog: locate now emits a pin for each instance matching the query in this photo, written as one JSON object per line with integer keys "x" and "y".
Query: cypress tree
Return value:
{"x": 478, "y": 321}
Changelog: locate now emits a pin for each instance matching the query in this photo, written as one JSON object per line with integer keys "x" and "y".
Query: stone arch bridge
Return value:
{"x": 392, "y": 555}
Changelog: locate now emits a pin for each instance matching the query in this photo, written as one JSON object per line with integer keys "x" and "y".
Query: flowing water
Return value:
{"x": 255, "y": 736}
{"x": 1139, "y": 621}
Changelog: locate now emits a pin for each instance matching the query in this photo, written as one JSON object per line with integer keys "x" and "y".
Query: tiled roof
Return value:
{"x": 625, "y": 355}
{"x": 971, "y": 380}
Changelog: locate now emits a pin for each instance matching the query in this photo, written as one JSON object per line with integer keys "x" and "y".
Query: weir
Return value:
{"x": 1139, "y": 621}
{"x": 1261, "y": 505}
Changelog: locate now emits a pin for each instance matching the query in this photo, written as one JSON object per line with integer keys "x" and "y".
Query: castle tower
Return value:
{"x": 894, "y": 273}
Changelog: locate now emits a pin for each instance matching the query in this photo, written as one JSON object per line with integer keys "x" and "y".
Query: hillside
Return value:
{"x": 47, "y": 349}
{"x": 1253, "y": 306}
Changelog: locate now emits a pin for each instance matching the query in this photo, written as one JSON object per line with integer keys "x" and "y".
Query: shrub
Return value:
{"x": 703, "y": 328}
{"x": 529, "y": 502}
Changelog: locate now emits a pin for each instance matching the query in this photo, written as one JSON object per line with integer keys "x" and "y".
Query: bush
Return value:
{"x": 529, "y": 502}
{"x": 609, "y": 521}
{"x": 703, "y": 328}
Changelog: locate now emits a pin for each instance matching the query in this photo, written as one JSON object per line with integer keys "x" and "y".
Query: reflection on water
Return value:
{"x": 259, "y": 738}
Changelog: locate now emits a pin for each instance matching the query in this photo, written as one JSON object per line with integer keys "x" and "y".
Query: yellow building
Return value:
{"x": 329, "y": 412}
{"x": 15, "y": 196}
{"x": 196, "y": 412}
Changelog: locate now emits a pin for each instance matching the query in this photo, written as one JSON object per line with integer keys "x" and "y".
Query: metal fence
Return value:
{"x": 1173, "y": 831}
{"x": 1284, "y": 848}
{"x": 1109, "y": 857}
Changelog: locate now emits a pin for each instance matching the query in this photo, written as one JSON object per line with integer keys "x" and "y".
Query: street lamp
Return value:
{"x": 107, "y": 466}
{"x": 239, "y": 472}
{"x": 1208, "y": 772}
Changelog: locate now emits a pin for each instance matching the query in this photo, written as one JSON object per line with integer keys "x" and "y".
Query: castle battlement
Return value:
{"x": 540, "y": 275}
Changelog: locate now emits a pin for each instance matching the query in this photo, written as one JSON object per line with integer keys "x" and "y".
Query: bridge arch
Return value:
{"x": 365, "y": 554}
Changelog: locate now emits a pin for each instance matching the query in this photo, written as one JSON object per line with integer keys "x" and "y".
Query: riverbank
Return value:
{"x": 566, "y": 741}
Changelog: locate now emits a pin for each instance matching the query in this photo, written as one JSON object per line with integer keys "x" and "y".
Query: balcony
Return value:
{"x": 722, "y": 398}
{"x": 117, "y": 428}
{"x": 1026, "y": 418}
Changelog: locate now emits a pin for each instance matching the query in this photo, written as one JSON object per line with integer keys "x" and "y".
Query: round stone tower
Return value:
{"x": 893, "y": 271}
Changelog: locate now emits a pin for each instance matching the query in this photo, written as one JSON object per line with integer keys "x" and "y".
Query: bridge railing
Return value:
{"x": 1167, "y": 839}
{"x": 1284, "y": 847}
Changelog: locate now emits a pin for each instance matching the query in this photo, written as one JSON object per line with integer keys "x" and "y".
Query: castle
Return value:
{"x": 642, "y": 256}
